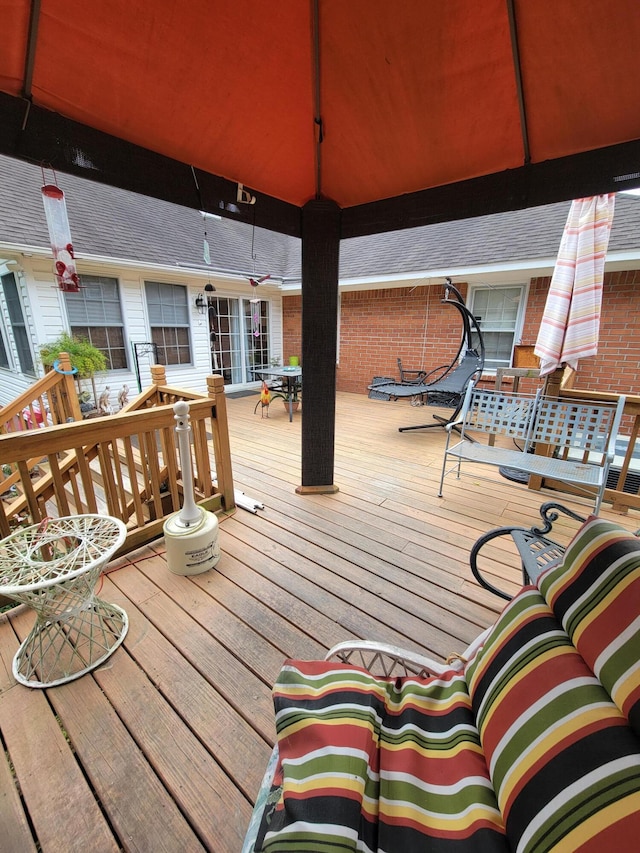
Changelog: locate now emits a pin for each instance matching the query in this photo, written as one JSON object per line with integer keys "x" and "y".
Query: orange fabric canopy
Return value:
{"x": 403, "y": 95}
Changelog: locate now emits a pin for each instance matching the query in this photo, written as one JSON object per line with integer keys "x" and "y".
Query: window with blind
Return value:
{"x": 95, "y": 314}
{"x": 19, "y": 329}
{"x": 168, "y": 309}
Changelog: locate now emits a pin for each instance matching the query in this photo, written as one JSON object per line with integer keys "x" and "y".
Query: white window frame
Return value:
{"x": 100, "y": 313}
{"x": 235, "y": 362}
{"x": 22, "y": 347}
{"x": 487, "y": 329}
{"x": 169, "y": 316}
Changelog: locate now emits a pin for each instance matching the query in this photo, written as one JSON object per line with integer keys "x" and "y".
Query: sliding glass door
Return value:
{"x": 239, "y": 337}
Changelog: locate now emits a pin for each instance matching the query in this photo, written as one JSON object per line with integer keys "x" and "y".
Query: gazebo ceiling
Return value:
{"x": 402, "y": 112}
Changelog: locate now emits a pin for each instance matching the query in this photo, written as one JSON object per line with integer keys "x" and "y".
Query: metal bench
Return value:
{"x": 569, "y": 441}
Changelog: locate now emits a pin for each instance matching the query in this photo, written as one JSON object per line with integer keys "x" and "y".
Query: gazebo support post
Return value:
{"x": 320, "y": 260}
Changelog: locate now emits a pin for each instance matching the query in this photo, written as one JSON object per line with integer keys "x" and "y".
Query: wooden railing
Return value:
{"x": 126, "y": 465}
{"x": 51, "y": 400}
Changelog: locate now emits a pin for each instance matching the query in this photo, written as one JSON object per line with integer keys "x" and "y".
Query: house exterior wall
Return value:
{"x": 616, "y": 367}
{"x": 291, "y": 327}
{"x": 44, "y": 309}
{"x": 379, "y": 326}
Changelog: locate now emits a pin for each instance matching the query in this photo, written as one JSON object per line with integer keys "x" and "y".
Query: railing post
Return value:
{"x": 220, "y": 437}
{"x": 70, "y": 404}
{"x": 158, "y": 374}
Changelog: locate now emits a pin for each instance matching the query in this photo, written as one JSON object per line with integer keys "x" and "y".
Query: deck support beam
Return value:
{"x": 320, "y": 261}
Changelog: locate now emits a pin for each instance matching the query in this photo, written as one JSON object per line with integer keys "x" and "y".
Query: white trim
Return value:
{"x": 482, "y": 274}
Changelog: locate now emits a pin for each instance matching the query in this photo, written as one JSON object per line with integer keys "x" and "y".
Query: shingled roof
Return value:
{"x": 116, "y": 224}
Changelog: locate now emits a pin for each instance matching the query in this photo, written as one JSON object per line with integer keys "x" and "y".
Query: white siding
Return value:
{"x": 47, "y": 318}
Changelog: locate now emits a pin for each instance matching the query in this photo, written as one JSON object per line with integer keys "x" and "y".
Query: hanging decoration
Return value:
{"x": 55, "y": 211}
{"x": 255, "y": 280}
{"x": 206, "y": 254}
{"x": 256, "y": 326}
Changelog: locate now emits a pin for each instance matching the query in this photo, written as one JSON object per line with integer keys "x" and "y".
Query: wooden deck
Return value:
{"x": 163, "y": 749}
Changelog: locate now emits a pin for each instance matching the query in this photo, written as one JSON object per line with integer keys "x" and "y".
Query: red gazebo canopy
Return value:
{"x": 498, "y": 103}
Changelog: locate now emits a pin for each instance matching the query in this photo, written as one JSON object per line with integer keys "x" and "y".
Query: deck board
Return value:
{"x": 163, "y": 748}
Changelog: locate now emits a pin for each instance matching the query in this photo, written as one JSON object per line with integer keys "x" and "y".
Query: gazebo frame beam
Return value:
{"x": 40, "y": 136}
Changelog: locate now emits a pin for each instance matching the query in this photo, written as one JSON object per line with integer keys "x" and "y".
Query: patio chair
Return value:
{"x": 411, "y": 377}
{"x": 528, "y": 740}
{"x": 444, "y": 386}
{"x": 537, "y": 551}
{"x": 449, "y": 390}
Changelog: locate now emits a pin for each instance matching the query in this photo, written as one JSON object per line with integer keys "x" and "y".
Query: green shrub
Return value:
{"x": 86, "y": 358}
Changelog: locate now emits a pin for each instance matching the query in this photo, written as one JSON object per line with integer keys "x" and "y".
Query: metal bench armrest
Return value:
{"x": 537, "y": 552}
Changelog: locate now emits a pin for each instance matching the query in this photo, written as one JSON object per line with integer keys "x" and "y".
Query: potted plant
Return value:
{"x": 87, "y": 359}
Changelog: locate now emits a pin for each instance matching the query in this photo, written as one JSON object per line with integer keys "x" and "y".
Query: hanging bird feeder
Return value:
{"x": 55, "y": 210}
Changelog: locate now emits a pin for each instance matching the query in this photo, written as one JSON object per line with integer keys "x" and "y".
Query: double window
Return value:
{"x": 168, "y": 309}
{"x": 499, "y": 312}
{"x": 95, "y": 314}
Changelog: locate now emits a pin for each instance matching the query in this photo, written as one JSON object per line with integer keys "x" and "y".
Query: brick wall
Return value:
{"x": 616, "y": 367}
{"x": 379, "y": 326}
{"x": 292, "y": 327}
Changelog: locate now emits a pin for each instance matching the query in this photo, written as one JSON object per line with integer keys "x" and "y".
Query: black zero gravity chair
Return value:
{"x": 445, "y": 386}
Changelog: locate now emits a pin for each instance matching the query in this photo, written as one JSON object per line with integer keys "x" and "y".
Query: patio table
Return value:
{"x": 53, "y": 567}
{"x": 292, "y": 376}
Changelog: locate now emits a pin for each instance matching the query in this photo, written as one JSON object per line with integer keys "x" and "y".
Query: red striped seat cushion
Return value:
{"x": 595, "y": 593}
{"x": 564, "y": 764}
{"x": 378, "y": 764}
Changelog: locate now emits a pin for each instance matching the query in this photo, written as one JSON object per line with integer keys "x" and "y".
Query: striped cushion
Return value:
{"x": 595, "y": 593}
{"x": 378, "y": 764}
{"x": 564, "y": 764}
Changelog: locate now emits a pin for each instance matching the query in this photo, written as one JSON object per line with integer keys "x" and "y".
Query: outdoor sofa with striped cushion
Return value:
{"x": 533, "y": 745}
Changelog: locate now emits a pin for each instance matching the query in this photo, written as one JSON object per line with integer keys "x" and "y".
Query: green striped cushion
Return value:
{"x": 564, "y": 764}
{"x": 378, "y": 764}
{"x": 595, "y": 593}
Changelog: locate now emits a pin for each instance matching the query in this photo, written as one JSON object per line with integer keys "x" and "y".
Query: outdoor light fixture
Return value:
{"x": 201, "y": 305}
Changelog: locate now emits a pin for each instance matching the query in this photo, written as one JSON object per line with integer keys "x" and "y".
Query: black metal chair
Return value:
{"x": 412, "y": 377}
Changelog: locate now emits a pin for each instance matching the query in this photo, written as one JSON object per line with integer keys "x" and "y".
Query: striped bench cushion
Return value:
{"x": 595, "y": 593}
{"x": 373, "y": 764}
{"x": 564, "y": 764}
